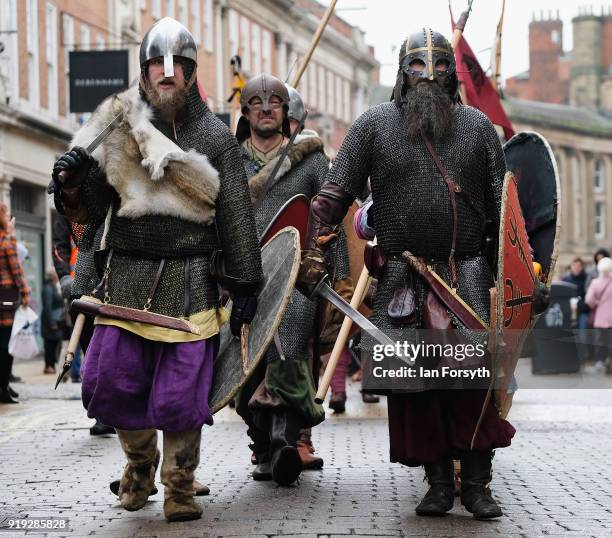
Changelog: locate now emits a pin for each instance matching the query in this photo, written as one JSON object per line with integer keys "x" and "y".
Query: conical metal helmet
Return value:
{"x": 263, "y": 86}
{"x": 168, "y": 38}
{"x": 296, "y": 104}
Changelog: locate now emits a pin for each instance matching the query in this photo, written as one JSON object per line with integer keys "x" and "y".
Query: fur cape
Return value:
{"x": 152, "y": 175}
{"x": 304, "y": 145}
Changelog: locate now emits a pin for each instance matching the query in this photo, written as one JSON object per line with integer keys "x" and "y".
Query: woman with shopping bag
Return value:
{"x": 13, "y": 292}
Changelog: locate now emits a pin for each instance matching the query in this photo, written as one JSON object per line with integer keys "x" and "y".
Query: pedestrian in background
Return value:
{"x": 52, "y": 320}
{"x": 12, "y": 280}
{"x": 599, "y": 298}
{"x": 577, "y": 276}
{"x": 593, "y": 273}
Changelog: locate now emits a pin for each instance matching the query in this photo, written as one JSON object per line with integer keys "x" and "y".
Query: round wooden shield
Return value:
{"x": 280, "y": 260}
{"x": 531, "y": 160}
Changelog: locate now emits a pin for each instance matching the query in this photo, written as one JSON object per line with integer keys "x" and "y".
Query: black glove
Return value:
{"x": 243, "y": 311}
{"x": 75, "y": 163}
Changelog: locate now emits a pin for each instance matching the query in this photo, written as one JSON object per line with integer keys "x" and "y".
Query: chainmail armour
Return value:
{"x": 411, "y": 206}
{"x": 139, "y": 243}
{"x": 306, "y": 177}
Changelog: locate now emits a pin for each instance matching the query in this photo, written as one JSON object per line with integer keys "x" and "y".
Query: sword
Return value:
{"x": 105, "y": 132}
{"x": 325, "y": 291}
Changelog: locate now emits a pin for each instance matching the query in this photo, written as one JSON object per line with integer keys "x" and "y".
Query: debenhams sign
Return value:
{"x": 94, "y": 75}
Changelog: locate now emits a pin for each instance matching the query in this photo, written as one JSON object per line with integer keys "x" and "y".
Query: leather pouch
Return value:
{"x": 401, "y": 308}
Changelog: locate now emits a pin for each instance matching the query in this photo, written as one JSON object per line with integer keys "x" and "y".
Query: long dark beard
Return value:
{"x": 429, "y": 109}
{"x": 167, "y": 103}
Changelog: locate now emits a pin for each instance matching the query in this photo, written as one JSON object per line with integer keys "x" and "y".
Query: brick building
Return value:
{"x": 36, "y": 37}
{"x": 567, "y": 96}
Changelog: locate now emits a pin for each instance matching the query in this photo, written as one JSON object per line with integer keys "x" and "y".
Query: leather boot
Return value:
{"x": 261, "y": 450}
{"x": 306, "y": 451}
{"x": 181, "y": 457}
{"x": 475, "y": 477}
{"x": 138, "y": 480}
{"x": 285, "y": 459}
{"x": 440, "y": 497}
{"x": 337, "y": 402}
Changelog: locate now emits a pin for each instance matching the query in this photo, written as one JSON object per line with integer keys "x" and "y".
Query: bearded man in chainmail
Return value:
{"x": 168, "y": 188}
{"x": 412, "y": 210}
{"x": 278, "y": 401}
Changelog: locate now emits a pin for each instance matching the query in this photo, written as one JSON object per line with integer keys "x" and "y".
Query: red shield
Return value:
{"x": 516, "y": 282}
{"x": 293, "y": 213}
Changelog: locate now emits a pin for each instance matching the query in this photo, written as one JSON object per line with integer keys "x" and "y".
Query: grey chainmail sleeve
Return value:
{"x": 234, "y": 218}
{"x": 352, "y": 165}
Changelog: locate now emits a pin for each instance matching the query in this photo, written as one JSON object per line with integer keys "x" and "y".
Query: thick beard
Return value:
{"x": 167, "y": 103}
{"x": 429, "y": 110}
{"x": 268, "y": 132}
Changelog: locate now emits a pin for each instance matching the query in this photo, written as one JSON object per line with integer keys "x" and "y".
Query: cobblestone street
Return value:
{"x": 555, "y": 480}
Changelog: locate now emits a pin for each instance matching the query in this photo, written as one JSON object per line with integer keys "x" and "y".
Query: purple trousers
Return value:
{"x": 427, "y": 426}
{"x": 133, "y": 383}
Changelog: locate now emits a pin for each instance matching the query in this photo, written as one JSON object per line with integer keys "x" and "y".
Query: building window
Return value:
{"x": 338, "y": 96}
{"x": 100, "y": 42}
{"x": 182, "y": 13}
{"x": 600, "y": 220}
{"x": 555, "y": 36}
{"x": 51, "y": 49}
{"x": 304, "y": 85}
{"x": 292, "y": 64}
{"x": 346, "y": 96}
{"x": 85, "y": 37}
{"x": 329, "y": 99}
{"x": 208, "y": 25}
{"x": 233, "y": 33}
{"x": 266, "y": 52}
{"x": 245, "y": 44}
{"x": 170, "y": 8}
{"x": 156, "y": 9}
{"x": 68, "y": 35}
{"x": 256, "y": 47}
{"x": 599, "y": 177}
{"x": 312, "y": 84}
{"x": 196, "y": 22}
{"x": 9, "y": 69}
{"x": 321, "y": 89}
{"x": 32, "y": 47}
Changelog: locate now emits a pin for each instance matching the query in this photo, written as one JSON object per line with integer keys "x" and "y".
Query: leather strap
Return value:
{"x": 160, "y": 270}
{"x": 187, "y": 303}
{"x": 453, "y": 189}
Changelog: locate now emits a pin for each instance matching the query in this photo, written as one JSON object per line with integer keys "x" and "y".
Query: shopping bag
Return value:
{"x": 22, "y": 344}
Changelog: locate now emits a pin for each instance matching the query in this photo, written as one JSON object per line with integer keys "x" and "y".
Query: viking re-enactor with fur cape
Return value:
{"x": 171, "y": 181}
{"x": 278, "y": 400}
{"x": 413, "y": 210}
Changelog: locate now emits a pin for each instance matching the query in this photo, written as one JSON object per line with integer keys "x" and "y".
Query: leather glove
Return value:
{"x": 313, "y": 268}
{"x": 243, "y": 311}
{"x": 75, "y": 165}
{"x": 66, "y": 286}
